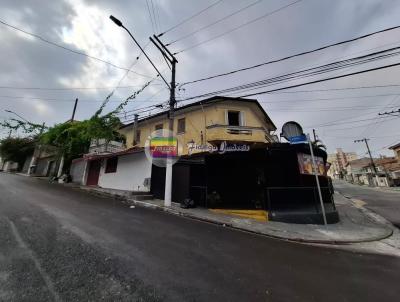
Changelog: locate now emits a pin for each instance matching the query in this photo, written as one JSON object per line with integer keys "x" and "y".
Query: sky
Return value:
{"x": 40, "y": 81}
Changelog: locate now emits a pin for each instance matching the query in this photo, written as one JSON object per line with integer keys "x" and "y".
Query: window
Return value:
{"x": 181, "y": 125}
{"x": 159, "y": 126}
{"x": 111, "y": 166}
{"x": 137, "y": 139}
{"x": 234, "y": 118}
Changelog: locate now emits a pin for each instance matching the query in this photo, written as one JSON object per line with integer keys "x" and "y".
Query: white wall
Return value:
{"x": 10, "y": 166}
{"x": 131, "y": 172}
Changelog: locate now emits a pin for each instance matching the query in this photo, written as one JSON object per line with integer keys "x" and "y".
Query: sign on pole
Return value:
{"x": 316, "y": 178}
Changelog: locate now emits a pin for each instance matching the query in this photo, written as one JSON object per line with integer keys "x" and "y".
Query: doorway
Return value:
{"x": 94, "y": 173}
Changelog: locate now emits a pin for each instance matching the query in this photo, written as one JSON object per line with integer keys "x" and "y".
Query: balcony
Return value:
{"x": 101, "y": 146}
{"x": 219, "y": 133}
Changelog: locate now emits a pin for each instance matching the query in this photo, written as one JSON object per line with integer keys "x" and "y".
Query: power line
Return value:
{"x": 344, "y": 119}
{"x": 238, "y": 27}
{"x": 329, "y": 99}
{"x": 72, "y": 50}
{"x": 151, "y": 18}
{"x": 291, "y": 56}
{"x": 306, "y": 72}
{"x": 213, "y": 23}
{"x": 323, "y": 80}
{"x": 312, "y": 71}
{"x": 126, "y": 73}
{"x": 147, "y": 100}
{"x": 339, "y": 89}
{"x": 349, "y": 128}
{"x": 348, "y": 122}
{"x": 190, "y": 18}
{"x": 57, "y": 99}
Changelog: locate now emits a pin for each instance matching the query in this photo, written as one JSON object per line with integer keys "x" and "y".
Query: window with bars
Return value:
{"x": 111, "y": 165}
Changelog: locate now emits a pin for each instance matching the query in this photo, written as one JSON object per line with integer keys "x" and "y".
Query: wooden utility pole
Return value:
{"x": 73, "y": 112}
{"x": 369, "y": 152}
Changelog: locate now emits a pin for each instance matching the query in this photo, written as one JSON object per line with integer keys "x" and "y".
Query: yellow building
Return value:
{"x": 208, "y": 122}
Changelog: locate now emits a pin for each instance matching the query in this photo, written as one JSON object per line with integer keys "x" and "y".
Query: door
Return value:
{"x": 94, "y": 172}
{"x": 51, "y": 168}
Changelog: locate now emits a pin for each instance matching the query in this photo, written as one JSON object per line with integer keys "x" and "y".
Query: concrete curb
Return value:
{"x": 235, "y": 226}
{"x": 371, "y": 214}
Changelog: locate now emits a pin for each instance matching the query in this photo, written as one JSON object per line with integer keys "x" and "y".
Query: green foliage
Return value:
{"x": 16, "y": 149}
{"x": 26, "y": 127}
{"x": 72, "y": 139}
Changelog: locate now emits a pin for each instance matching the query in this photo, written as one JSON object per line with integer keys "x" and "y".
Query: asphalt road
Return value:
{"x": 61, "y": 244}
{"x": 385, "y": 203}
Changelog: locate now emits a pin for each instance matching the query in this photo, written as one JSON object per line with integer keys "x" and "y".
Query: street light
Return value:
{"x": 170, "y": 57}
{"x": 119, "y": 23}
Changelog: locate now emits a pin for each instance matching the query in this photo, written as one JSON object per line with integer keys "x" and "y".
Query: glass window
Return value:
{"x": 181, "y": 125}
{"x": 159, "y": 126}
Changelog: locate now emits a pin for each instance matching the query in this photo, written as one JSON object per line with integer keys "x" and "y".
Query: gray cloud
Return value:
{"x": 309, "y": 24}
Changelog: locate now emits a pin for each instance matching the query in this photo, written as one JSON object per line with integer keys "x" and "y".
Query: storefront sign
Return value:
{"x": 223, "y": 148}
{"x": 299, "y": 139}
{"x": 306, "y": 165}
{"x": 163, "y": 147}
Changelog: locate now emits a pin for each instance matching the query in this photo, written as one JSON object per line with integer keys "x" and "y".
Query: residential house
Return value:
{"x": 356, "y": 173}
{"x": 362, "y": 171}
{"x": 396, "y": 150}
{"x": 210, "y": 121}
{"x": 216, "y": 179}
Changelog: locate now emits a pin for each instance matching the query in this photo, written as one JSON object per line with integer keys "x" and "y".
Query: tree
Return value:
{"x": 17, "y": 149}
{"x": 72, "y": 139}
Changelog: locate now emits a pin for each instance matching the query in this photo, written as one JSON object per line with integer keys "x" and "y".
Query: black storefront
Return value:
{"x": 263, "y": 178}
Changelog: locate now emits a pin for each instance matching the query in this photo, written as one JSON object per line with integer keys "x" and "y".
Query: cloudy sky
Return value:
{"x": 40, "y": 81}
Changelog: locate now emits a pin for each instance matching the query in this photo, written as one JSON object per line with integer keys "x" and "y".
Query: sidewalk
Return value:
{"x": 355, "y": 224}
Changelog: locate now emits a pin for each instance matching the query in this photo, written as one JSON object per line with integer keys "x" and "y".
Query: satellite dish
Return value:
{"x": 291, "y": 129}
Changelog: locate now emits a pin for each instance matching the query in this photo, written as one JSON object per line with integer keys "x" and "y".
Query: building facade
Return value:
{"x": 211, "y": 121}
{"x": 338, "y": 161}
{"x": 396, "y": 151}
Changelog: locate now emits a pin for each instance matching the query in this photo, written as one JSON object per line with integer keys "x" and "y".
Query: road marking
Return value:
{"x": 43, "y": 274}
{"x": 259, "y": 215}
{"x": 358, "y": 203}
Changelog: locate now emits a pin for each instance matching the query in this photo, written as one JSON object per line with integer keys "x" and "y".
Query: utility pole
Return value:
{"x": 315, "y": 135}
{"x": 73, "y": 112}
{"x": 172, "y": 60}
{"x": 135, "y": 127}
{"x": 369, "y": 152}
{"x": 61, "y": 166}
{"x": 172, "y": 101}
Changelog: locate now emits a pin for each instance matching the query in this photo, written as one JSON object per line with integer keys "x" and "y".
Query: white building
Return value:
{"x": 128, "y": 170}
